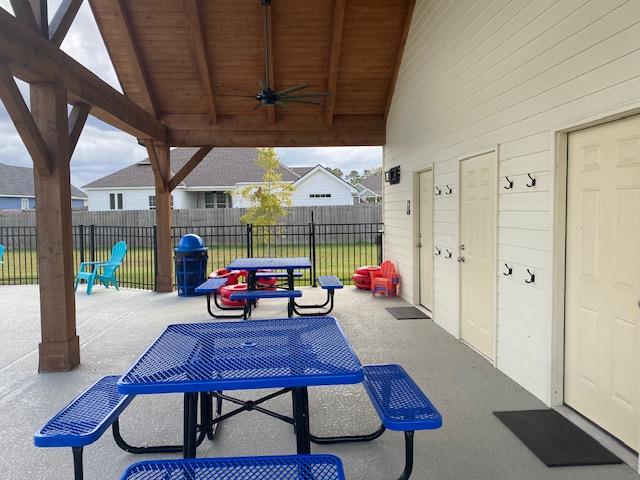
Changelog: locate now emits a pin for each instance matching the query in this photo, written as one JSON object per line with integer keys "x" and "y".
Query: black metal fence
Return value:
{"x": 334, "y": 249}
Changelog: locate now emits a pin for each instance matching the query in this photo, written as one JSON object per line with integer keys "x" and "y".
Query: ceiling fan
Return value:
{"x": 267, "y": 95}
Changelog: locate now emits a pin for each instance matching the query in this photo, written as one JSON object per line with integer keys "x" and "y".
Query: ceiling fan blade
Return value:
{"x": 256, "y": 107}
{"x": 229, "y": 95}
{"x": 306, "y": 95}
{"x": 302, "y": 101}
{"x": 293, "y": 89}
{"x": 284, "y": 104}
{"x": 231, "y": 88}
{"x": 263, "y": 84}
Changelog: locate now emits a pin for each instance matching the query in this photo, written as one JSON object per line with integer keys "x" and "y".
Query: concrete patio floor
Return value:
{"x": 115, "y": 327}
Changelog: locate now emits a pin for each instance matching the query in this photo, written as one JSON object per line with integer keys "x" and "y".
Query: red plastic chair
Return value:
{"x": 385, "y": 280}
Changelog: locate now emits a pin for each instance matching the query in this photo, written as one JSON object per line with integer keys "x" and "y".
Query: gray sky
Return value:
{"x": 103, "y": 149}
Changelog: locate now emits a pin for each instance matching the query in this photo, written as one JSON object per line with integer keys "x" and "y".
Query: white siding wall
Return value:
{"x": 136, "y": 199}
{"x": 477, "y": 74}
{"x": 321, "y": 182}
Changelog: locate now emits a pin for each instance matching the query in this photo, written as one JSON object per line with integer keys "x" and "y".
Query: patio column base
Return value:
{"x": 164, "y": 284}
{"x": 59, "y": 356}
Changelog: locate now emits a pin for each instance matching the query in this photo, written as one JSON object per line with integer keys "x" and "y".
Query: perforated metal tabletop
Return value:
{"x": 279, "y": 353}
{"x": 269, "y": 263}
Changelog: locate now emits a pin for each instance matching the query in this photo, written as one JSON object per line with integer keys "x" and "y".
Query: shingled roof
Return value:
{"x": 373, "y": 183}
{"x": 222, "y": 167}
{"x": 18, "y": 181}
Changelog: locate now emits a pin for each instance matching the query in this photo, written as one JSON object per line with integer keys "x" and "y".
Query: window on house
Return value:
{"x": 217, "y": 200}
{"x": 319, "y": 195}
{"x": 152, "y": 201}
{"x": 24, "y": 203}
{"x": 115, "y": 201}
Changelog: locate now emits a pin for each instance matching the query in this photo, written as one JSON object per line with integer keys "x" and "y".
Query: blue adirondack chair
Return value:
{"x": 105, "y": 272}
{"x": 1, "y": 254}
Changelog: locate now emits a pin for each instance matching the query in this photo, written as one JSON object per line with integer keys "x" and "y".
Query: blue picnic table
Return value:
{"x": 253, "y": 265}
{"x": 209, "y": 358}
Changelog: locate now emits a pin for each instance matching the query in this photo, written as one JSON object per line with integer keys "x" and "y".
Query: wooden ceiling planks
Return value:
{"x": 194, "y": 86}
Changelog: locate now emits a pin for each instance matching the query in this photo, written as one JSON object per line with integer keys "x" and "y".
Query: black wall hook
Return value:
{"x": 449, "y": 190}
{"x": 436, "y": 251}
{"x": 438, "y": 191}
{"x": 533, "y": 181}
{"x": 509, "y": 270}
{"x": 532, "y": 277}
{"x": 509, "y": 185}
{"x": 448, "y": 254}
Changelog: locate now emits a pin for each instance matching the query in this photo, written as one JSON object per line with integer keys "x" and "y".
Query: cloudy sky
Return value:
{"x": 103, "y": 149}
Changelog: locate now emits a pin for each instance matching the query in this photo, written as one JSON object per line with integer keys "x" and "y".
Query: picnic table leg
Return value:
{"x": 190, "y": 424}
{"x": 290, "y": 286}
{"x": 301, "y": 420}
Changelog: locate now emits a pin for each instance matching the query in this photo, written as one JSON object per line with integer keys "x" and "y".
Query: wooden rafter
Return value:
{"x": 62, "y": 20}
{"x": 334, "y": 58}
{"x": 34, "y": 58}
{"x": 142, "y": 80}
{"x": 271, "y": 109}
{"x": 188, "y": 167}
{"x": 77, "y": 119}
{"x": 23, "y": 11}
{"x": 396, "y": 68}
{"x": 200, "y": 55}
{"x": 23, "y": 120}
{"x": 41, "y": 14}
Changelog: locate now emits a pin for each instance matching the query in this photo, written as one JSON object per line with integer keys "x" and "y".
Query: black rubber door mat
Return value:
{"x": 406, "y": 313}
{"x": 555, "y": 440}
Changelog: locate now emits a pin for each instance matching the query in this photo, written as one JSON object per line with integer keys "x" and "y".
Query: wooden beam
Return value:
{"x": 23, "y": 120}
{"x": 23, "y": 11}
{"x": 200, "y": 56}
{"x": 188, "y": 167}
{"x": 62, "y": 20}
{"x": 41, "y": 13}
{"x": 334, "y": 58}
{"x": 396, "y": 68}
{"x": 77, "y": 119}
{"x": 121, "y": 15}
{"x": 271, "y": 109}
{"x": 159, "y": 156}
{"x": 346, "y": 130}
{"x": 35, "y": 59}
{"x": 59, "y": 349}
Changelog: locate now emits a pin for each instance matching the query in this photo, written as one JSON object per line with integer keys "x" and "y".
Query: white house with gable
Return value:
{"x": 217, "y": 182}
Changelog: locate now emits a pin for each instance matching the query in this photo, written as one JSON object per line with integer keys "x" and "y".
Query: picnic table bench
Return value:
{"x": 290, "y": 467}
{"x": 249, "y": 296}
{"x": 85, "y": 419}
{"x": 330, "y": 283}
{"x": 401, "y": 406}
{"x": 211, "y": 288}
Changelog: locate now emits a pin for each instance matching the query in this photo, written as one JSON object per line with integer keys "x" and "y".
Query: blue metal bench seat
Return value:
{"x": 292, "y": 467}
{"x": 400, "y": 404}
{"x": 210, "y": 288}
{"x": 249, "y": 296}
{"x": 277, "y": 275}
{"x": 85, "y": 419}
{"x": 330, "y": 283}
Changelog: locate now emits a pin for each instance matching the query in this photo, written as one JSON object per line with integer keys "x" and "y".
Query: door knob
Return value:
{"x": 461, "y": 259}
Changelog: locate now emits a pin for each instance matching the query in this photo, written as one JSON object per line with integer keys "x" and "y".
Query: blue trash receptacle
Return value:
{"x": 191, "y": 264}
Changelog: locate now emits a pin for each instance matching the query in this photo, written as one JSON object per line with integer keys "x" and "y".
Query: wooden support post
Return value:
{"x": 60, "y": 346}
{"x": 161, "y": 165}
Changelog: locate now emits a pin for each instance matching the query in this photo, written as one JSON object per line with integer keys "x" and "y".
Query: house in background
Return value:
{"x": 217, "y": 182}
{"x": 17, "y": 191}
{"x": 370, "y": 189}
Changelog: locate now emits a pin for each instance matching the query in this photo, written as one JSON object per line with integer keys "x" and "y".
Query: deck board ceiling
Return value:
{"x": 182, "y": 60}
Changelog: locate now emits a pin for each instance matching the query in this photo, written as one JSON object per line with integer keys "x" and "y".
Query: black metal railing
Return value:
{"x": 334, "y": 249}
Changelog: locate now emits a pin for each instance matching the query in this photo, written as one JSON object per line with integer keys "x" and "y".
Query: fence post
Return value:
{"x": 249, "y": 240}
{"x": 155, "y": 258}
{"x": 92, "y": 242}
{"x": 81, "y": 231}
{"x": 379, "y": 244}
{"x": 312, "y": 235}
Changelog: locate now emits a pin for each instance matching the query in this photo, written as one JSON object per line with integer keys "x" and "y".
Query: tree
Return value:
{"x": 353, "y": 177}
{"x": 337, "y": 172}
{"x": 270, "y": 199}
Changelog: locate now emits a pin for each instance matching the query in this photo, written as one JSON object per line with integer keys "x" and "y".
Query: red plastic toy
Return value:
{"x": 227, "y": 290}
{"x": 386, "y": 280}
{"x": 362, "y": 277}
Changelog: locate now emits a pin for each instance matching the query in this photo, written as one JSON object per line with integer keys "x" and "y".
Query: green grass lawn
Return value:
{"x": 20, "y": 266}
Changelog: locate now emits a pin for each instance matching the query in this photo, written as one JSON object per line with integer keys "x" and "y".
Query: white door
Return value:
{"x": 425, "y": 238}
{"x": 477, "y": 258}
{"x": 603, "y": 277}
